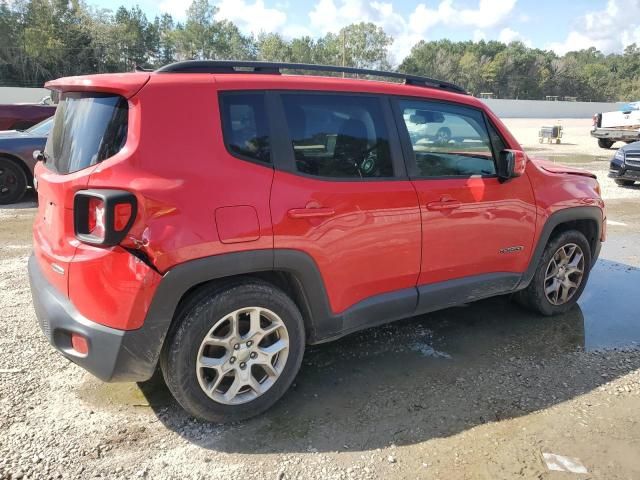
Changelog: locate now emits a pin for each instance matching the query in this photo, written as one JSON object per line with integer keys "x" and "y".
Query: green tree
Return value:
{"x": 361, "y": 45}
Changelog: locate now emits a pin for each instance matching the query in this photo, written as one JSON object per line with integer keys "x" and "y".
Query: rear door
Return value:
{"x": 472, "y": 223}
{"x": 87, "y": 128}
{"x": 341, "y": 194}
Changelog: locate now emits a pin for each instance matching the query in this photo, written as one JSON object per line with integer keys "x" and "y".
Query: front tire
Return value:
{"x": 560, "y": 276}
{"x": 236, "y": 350}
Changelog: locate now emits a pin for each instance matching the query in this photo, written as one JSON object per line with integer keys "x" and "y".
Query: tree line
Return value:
{"x": 45, "y": 39}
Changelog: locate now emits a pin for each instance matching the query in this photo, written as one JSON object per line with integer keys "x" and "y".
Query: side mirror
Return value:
{"x": 511, "y": 164}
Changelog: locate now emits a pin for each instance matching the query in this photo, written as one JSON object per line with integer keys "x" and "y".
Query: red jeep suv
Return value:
{"x": 212, "y": 218}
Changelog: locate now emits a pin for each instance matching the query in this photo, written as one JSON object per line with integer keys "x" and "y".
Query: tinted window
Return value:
{"x": 246, "y": 132}
{"x": 338, "y": 136}
{"x": 448, "y": 140}
{"x": 87, "y": 128}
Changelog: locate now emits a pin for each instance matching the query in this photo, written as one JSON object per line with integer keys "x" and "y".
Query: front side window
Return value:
{"x": 87, "y": 128}
{"x": 245, "y": 127}
{"x": 339, "y": 136}
{"x": 448, "y": 140}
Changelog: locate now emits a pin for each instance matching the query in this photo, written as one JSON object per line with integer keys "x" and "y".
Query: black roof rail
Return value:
{"x": 232, "y": 66}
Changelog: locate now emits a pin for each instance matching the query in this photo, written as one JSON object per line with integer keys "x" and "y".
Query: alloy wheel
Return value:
{"x": 242, "y": 356}
{"x": 564, "y": 274}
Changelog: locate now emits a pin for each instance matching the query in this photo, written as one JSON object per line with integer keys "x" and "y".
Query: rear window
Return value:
{"x": 245, "y": 128}
{"x": 87, "y": 128}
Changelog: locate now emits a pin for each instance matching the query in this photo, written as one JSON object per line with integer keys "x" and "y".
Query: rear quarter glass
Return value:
{"x": 87, "y": 128}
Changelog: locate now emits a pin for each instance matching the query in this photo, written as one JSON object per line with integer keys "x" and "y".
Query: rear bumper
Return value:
{"x": 616, "y": 134}
{"x": 114, "y": 355}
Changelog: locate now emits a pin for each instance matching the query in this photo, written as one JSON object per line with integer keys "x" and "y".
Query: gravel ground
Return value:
{"x": 478, "y": 391}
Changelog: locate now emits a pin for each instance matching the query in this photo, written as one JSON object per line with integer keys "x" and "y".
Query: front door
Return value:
{"x": 472, "y": 223}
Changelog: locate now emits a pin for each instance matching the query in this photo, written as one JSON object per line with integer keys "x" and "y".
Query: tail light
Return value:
{"x": 597, "y": 120}
{"x": 103, "y": 217}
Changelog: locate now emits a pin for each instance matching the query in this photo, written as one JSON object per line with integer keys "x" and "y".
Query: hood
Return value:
{"x": 635, "y": 146}
{"x": 12, "y": 134}
{"x": 551, "y": 167}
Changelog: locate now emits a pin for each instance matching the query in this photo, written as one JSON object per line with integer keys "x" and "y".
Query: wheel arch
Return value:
{"x": 293, "y": 271}
{"x": 587, "y": 220}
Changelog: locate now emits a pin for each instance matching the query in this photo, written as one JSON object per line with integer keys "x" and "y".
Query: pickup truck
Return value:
{"x": 20, "y": 116}
{"x": 619, "y": 126}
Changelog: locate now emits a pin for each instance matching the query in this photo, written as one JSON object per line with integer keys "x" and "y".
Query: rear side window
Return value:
{"x": 87, "y": 128}
{"x": 448, "y": 140}
{"x": 341, "y": 136}
{"x": 244, "y": 125}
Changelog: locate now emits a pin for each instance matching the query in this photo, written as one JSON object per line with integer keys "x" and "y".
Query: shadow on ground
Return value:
{"x": 436, "y": 375}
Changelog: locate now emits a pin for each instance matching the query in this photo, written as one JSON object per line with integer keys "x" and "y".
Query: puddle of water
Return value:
{"x": 606, "y": 317}
{"x": 611, "y": 306}
{"x": 100, "y": 394}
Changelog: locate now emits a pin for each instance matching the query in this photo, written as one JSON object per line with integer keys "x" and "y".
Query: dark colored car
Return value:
{"x": 16, "y": 159}
{"x": 20, "y": 116}
{"x": 625, "y": 165}
{"x": 214, "y": 222}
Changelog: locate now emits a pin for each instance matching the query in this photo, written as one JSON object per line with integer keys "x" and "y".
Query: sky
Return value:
{"x": 559, "y": 25}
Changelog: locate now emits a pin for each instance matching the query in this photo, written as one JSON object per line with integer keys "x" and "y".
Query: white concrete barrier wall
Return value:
{"x": 22, "y": 95}
{"x": 544, "y": 109}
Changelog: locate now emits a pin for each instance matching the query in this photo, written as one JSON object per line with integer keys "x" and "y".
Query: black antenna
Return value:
{"x": 231, "y": 66}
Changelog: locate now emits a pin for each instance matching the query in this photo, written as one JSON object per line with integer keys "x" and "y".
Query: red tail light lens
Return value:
{"x": 95, "y": 217}
{"x": 103, "y": 217}
{"x": 122, "y": 215}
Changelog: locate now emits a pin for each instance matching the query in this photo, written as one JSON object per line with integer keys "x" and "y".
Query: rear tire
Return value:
{"x": 546, "y": 292}
{"x": 13, "y": 181}
{"x": 605, "y": 143}
{"x": 212, "y": 360}
{"x": 625, "y": 183}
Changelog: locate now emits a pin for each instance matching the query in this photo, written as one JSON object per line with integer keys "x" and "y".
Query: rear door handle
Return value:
{"x": 311, "y": 212}
{"x": 444, "y": 205}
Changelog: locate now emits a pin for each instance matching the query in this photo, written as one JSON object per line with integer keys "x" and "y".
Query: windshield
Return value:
{"x": 42, "y": 129}
{"x": 87, "y": 128}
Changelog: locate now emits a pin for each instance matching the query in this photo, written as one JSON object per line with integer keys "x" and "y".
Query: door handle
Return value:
{"x": 448, "y": 204}
{"x": 311, "y": 212}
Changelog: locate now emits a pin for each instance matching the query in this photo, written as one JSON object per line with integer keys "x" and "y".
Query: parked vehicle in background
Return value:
{"x": 618, "y": 126}
{"x": 16, "y": 159}
{"x": 20, "y": 116}
{"x": 625, "y": 165}
{"x": 214, "y": 218}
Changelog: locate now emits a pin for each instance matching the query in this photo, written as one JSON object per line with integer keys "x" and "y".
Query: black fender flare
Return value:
{"x": 565, "y": 215}
{"x": 142, "y": 347}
